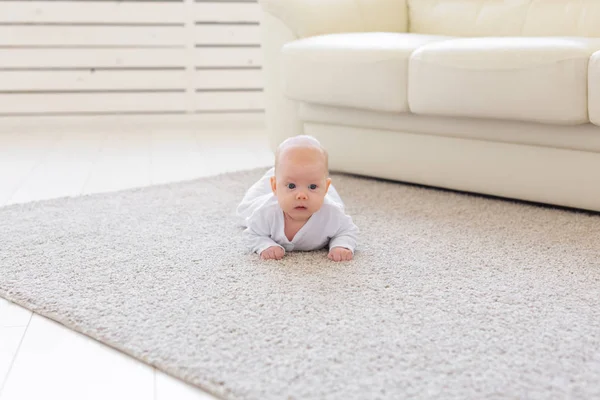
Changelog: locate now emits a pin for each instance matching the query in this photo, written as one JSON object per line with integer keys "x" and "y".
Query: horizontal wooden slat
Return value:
{"x": 92, "y": 58}
{"x": 228, "y": 79}
{"x": 215, "y": 101}
{"x": 129, "y": 58}
{"x": 82, "y": 124}
{"x": 118, "y": 12}
{"x": 91, "y": 80}
{"x": 227, "y": 12}
{"x": 126, "y": 35}
{"x": 91, "y": 103}
{"x": 43, "y": 35}
{"x": 227, "y": 57}
{"x": 91, "y": 12}
{"x": 227, "y": 34}
{"x": 127, "y": 102}
{"x": 79, "y": 80}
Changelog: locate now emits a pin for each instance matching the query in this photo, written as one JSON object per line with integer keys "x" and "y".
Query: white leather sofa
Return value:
{"x": 500, "y": 97}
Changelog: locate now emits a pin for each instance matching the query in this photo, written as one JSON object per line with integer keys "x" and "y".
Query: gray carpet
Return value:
{"x": 450, "y": 296}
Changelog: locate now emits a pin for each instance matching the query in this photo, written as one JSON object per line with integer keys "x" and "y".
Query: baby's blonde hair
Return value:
{"x": 305, "y": 141}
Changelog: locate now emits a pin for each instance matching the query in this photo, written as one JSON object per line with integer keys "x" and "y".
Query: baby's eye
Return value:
{"x": 291, "y": 186}
{"x": 312, "y": 187}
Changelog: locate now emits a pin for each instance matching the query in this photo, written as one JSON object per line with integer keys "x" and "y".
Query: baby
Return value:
{"x": 295, "y": 207}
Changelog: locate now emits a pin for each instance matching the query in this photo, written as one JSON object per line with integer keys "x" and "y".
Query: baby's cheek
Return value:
{"x": 319, "y": 202}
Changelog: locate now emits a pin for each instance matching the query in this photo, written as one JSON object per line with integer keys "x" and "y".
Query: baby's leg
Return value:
{"x": 255, "y": 195}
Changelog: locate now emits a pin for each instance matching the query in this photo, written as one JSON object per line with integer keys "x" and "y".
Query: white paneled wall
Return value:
{"x": 129, "y": 57}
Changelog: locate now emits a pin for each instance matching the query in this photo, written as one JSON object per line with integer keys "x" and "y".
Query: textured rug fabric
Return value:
{"x": 450, "y": 295}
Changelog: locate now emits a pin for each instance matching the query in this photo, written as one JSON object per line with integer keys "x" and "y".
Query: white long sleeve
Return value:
{"x": 347, "y": 234}
{"x": 257, "y": 235}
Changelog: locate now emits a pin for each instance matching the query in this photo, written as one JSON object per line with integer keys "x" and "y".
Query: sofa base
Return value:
{"x": 584, "y": 137}
{"x": 562, "y": 177}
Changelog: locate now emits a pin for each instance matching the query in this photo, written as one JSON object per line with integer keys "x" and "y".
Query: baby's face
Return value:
{"x": 301, "y": 182}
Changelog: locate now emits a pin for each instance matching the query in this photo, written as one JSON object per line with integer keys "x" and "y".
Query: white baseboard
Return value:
{"x": 91, "y": 123}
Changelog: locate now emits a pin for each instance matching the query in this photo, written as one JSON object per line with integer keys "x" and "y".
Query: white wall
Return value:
{"x": 99, "y": 57}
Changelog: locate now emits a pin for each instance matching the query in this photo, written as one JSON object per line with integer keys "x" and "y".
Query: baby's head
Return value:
{"x": 301, "y": 176}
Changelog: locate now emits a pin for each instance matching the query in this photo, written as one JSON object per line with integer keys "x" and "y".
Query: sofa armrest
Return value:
{"x": 316, "y": 17}
{"x": 594, "y": 88}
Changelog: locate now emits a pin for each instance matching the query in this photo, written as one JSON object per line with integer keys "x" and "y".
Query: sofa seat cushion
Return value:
{"x": 360, "y": 70}
{"x": 527, "y": 79}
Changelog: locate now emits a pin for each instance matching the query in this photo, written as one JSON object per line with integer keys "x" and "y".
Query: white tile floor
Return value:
{"x": 42, "y": 359}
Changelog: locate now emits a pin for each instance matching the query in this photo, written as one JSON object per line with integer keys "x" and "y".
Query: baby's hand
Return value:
{"x": 340, "y": 254}
{"x": 272, "y": 253}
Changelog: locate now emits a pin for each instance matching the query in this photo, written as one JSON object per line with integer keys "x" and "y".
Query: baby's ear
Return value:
{"x": 327, "y": 184}
{"x": 273, "y": 184}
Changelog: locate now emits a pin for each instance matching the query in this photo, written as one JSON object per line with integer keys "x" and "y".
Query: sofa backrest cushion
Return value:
{"x": 308, "y": 18}
{"x": 505, "y": 17}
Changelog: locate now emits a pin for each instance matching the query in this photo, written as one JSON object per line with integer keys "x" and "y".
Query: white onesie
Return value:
{"x": 264, "y": 221}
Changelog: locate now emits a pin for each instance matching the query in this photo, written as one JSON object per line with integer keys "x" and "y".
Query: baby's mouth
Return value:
{"x": 300, "y": 208}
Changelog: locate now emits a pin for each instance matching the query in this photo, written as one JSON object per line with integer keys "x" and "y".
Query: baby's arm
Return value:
{"x": 343, "y": 243}
{"x": 258, "y": 238}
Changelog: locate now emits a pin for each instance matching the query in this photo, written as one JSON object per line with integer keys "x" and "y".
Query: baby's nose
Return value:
{"x": 301, "y": 196}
